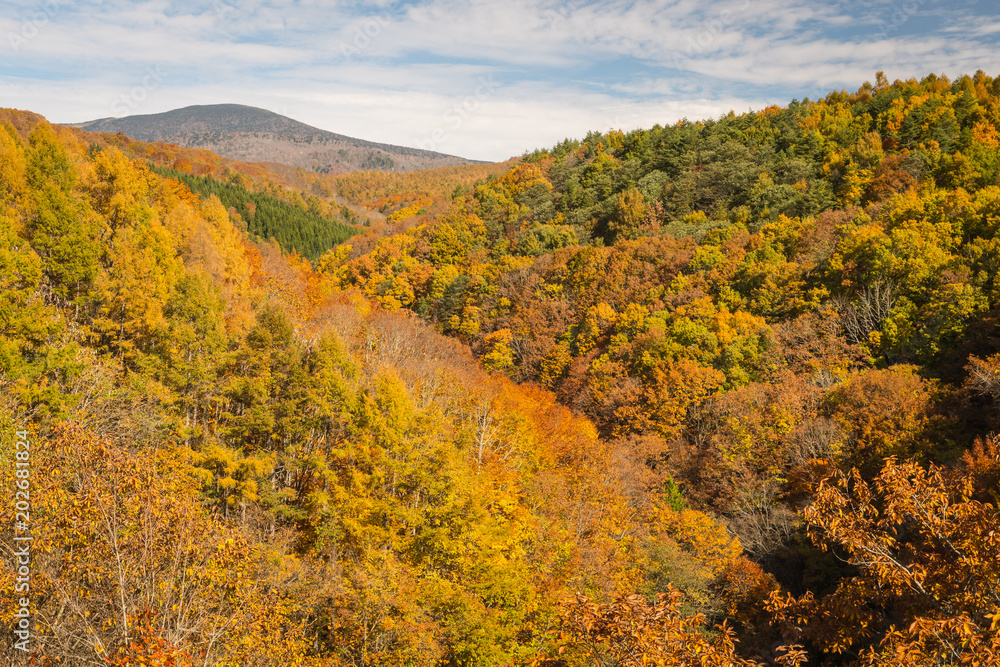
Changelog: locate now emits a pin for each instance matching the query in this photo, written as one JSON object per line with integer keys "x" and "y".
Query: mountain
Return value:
{"x": 256, "y": 135}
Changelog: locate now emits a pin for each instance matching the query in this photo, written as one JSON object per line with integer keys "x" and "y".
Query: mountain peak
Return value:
{"x": 251, "y": 134}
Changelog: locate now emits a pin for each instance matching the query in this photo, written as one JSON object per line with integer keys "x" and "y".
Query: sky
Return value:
{"x": 483, "y": 80}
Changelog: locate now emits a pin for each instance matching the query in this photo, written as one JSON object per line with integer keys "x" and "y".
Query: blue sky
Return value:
{"x": 486, "y": 80}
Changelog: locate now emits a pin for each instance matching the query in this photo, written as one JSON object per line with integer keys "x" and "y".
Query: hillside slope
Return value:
{"x": 760, "y": 358}
{"x": 233, "y": 463}
{"x": 757, "y": 308}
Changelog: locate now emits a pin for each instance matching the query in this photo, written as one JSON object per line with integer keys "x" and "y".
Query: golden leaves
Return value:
{"x": 922, "y": 544}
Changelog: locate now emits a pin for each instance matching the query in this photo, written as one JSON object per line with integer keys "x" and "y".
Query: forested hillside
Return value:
{"x": 232, "y": 462}
{"x": 791, "y": 316}
{"x": 302, "y": 230}
{"x": 719, "y": 393}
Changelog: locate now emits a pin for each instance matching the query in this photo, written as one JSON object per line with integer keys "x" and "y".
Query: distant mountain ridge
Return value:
{"x": 250, "y": 134}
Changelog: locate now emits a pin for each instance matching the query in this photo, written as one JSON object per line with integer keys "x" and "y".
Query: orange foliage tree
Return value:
{"x": 928, "y": 555}
{"x": 630, "y": 632}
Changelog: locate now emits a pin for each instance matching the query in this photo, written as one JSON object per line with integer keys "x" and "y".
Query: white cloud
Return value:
{"x": 393, "y": 72}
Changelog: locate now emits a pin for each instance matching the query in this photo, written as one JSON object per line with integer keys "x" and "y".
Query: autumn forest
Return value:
{"x": 722, "y": 392}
